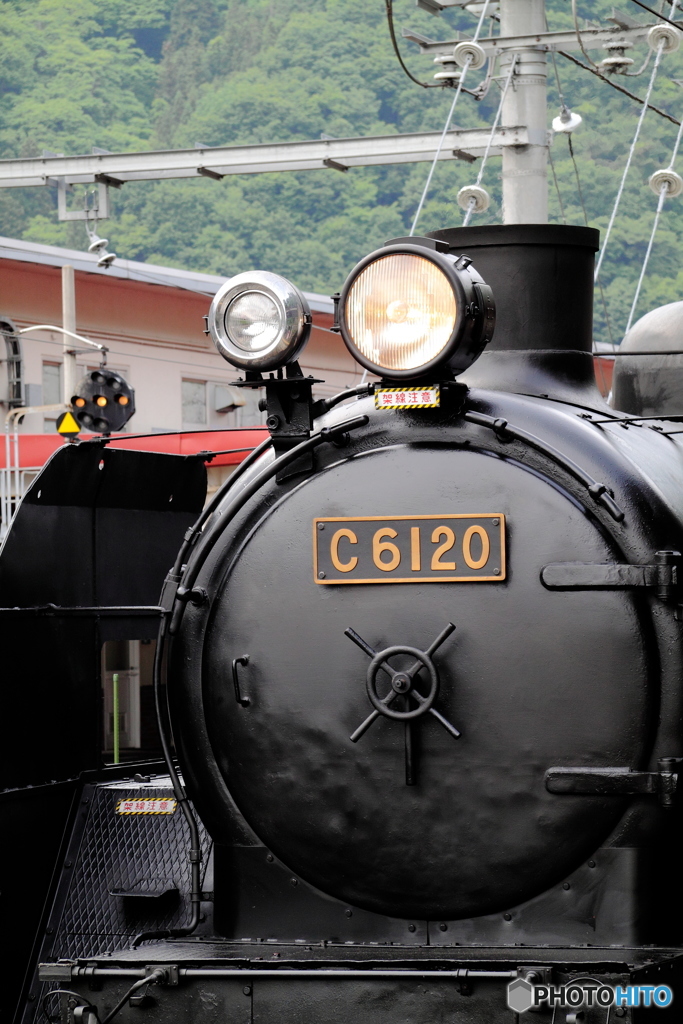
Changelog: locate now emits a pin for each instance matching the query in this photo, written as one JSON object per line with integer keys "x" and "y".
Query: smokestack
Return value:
{"x": 542, "y": 281}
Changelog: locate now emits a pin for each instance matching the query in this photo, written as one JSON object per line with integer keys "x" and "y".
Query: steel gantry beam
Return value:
{"x": 494, "y": 46}
{"x": 337, "y": 154}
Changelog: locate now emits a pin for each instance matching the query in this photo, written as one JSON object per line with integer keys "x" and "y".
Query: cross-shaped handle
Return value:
{"x": 402, "y": 684}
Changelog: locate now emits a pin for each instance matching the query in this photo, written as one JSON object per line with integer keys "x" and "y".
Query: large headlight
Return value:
{"x": 259, "y": 321}
{"x": 406, "y": 310}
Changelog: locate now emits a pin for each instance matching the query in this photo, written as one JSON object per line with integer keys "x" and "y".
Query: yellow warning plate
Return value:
{"x": 146, "y": 805}
{"x": 67, "y": 425}
{"x": 408, "y": 398}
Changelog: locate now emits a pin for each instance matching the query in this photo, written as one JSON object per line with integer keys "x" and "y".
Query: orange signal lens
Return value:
{"x": 80, "y": 402}
{"x": 101, "y": 401}
{"x": 122, "y": 399}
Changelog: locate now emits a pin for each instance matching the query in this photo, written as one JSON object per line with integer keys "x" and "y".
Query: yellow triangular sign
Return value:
{"x": 66, "y": 424}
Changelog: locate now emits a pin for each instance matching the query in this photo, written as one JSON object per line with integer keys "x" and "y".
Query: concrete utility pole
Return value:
{"x": 525, "y": 168}
{"x": 69, "y": 370}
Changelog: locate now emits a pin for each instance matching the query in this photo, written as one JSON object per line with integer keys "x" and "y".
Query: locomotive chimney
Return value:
{"x": 542, "y": 281}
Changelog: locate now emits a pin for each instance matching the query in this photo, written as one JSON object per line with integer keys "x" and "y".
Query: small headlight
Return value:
{"x": 406, "y": 310}
{"x": 259, "y": 321}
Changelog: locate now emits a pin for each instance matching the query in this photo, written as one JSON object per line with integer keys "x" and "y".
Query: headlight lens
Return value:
{"x": 401, "y": 312}
{"x": 253, "y": 321}
{"x": 259, "y": 321}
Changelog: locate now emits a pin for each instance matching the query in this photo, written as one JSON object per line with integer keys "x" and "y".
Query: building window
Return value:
{"x": 137, "y": 736}
{"x": 194, "y": 402}
{"x": 52, "y": 383}
{"x": 51, "y": 392}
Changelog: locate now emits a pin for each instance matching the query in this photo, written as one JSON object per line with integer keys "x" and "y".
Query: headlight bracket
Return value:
{"x": 288, "y": 405}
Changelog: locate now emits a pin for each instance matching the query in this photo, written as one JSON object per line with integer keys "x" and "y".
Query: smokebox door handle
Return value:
{"x": 244, "y": 660}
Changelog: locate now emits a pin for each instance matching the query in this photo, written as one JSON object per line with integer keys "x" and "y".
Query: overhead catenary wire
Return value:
{"x": 579, "y": 37}
{"x": 662, "y": 16}
{"x": 655, "y": 225}
{"x": 63, "y": 330}
{"x": 663, "y": 192}
{"x": 608, "y": 322}
{"x": 160, "y": 359}
{"x": 579, "y": 190}
{"x": 394, "y": 42}
{"x": 550, "y": 155}
{"x": 425, "y": 85}
{"x": 629, "y": 160}
{"x": 630, "y": 74}
{"x": 619, "y": 88}
{"x": 603, "y": 300}
{"x": 480, "y": 175}
{"x": 557, "y": 187}
{"x": 446, "y": 126}
{"x": 560, "y": 91}
{"x": 643, "y": 67}
{"x": 438, "y": 150}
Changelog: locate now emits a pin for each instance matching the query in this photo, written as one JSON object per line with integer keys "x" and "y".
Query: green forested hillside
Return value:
{"x": 141, "y": 74}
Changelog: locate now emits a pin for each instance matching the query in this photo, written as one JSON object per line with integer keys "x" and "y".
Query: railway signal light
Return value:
{"x": 103, "y": 402}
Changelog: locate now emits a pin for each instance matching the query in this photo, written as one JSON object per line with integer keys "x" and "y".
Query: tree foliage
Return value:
{"x": 141, "y": 74}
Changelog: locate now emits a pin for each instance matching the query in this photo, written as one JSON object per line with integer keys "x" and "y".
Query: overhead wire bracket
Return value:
{"x": 99, "y": 208}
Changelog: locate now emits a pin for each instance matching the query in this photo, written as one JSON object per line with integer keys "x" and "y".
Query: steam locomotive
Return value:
{"x": 420, "y": 658}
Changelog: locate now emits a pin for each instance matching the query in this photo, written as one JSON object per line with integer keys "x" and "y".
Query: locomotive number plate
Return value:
{"x": 410, "y": 549}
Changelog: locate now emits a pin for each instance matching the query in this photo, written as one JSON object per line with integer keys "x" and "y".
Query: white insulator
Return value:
{"x": 450, "y": 71}
{"x": 476, "y": 8}
{"x": 476, "y": 195}
{"x": 566, "y": 121}
{"x": 667, "y": 34}
{"x": 468, "y": 49}
{"x": 616, "y": 63}
{"x": 98, "y": 244}
{"x": 673, "y": 182}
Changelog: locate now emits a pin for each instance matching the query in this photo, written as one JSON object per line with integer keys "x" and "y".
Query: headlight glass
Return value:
{"x": 401, "y": 311}
{"x": 253, "y": 321}
{"x": 259, "y": 321}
